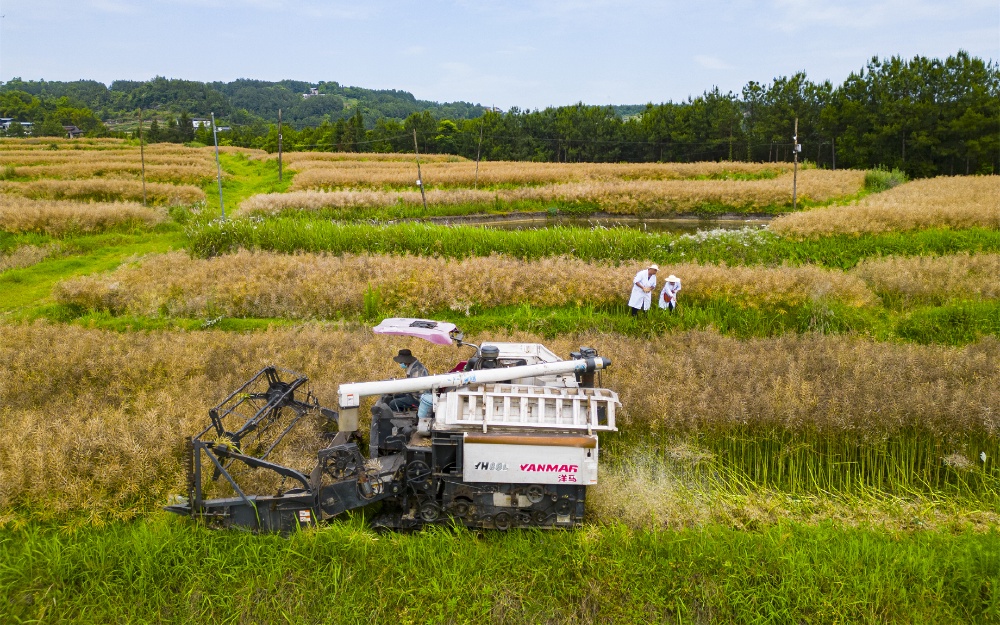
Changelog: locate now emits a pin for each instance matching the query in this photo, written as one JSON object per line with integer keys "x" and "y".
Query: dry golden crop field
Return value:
{"x": 932, "y": 279}
{"x": 104, "y": 190}
{"x": 325, "y": 286}
{"x": 112, "y": 158}
{"x": 315, "y": 172}
{"x": 55, "y": 217}
{"x": 947, "y": 201}
{"x": 611, "y": 195}
{"x": 131, "y": 398}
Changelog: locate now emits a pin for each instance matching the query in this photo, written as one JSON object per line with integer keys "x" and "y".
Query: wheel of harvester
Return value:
{"x": 535, "y": 493}
{"x": 459, "y": 508}
{"x": 430, "y": 512}
{"x": 540, "y": 517}
{"x": 418, "y": 474}
{"x": 502, "y": 521}
{"x": 523, "y": 518}
{"x": 563, "y": 507}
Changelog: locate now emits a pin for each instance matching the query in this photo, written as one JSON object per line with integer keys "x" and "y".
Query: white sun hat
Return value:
{"x": 654, "y": 266}
{"x": 673, "y": 278}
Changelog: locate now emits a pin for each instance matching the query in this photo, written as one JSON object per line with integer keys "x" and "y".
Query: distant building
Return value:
{"x": 72, "y": 132}
{"x": 313, "y": 92}
{"x": 198, "y": 122}
{"x": 5, "y": 123}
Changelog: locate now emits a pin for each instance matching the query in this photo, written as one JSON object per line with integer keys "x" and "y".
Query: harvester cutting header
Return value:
{"x": 506, "y": 439}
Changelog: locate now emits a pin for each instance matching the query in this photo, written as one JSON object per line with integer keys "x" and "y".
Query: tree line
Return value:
{"x": 924, "y": 116}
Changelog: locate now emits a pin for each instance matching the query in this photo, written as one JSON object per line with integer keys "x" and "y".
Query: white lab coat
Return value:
{"x": 669, "y": 293}
{"x": 640, "y": 299}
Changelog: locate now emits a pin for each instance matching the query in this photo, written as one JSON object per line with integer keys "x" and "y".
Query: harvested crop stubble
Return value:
{"x": 104, "y": 190}
{"x": 952, "y": 202}
{"x": 613, "y": 195}
{"x": 325, "y": 286}
{"x": 318, "y": 174}
{"x": 96, "y": 427}
{"x": 60, "y": 217}
{"x": 933, "y": 280}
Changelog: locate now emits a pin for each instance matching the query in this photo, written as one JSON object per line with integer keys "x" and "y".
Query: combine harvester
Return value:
{"x": 507, "y": 439}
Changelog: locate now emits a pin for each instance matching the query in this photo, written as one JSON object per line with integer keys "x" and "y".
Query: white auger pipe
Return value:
{"x": 351, "y": 394}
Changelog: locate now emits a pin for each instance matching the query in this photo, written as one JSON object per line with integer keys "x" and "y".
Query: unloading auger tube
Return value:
{"x": 350, "y": 394}
{"x": 512, "y": 446}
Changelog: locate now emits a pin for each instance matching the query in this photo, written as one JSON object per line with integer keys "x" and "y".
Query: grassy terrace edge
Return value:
{"x": 163, "y": 570}
{"x": 955, "y": 323}
{"x": 746, "y": 247}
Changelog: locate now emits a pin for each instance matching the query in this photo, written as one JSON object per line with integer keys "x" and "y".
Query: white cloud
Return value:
{"x": 712, "y": 62}
{"x": 517, "y": 49}
{"x": 798, "y": 15}
{"x": 114, "y": 6}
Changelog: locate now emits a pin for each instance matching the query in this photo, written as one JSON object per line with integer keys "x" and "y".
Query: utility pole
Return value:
{"x": 479, "y": 150}
{"x": 218, "y": 165}
{"x": 420, "y": 178}
{"x": 279, "y": 145}
{"x": 142, "y": 156}
{"x": 795, "y": 168}
{"x": 833, "y": 152}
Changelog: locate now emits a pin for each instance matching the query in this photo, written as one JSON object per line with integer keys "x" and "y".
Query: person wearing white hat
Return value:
{"x": 668, "y": 296}
{"x": 642, "y": 287}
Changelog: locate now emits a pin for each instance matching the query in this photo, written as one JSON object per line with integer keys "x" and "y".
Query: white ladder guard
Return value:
{"x": 516, "y": 406}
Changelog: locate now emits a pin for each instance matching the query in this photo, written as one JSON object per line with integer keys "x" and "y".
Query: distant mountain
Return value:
{"x": 244, "y": 101}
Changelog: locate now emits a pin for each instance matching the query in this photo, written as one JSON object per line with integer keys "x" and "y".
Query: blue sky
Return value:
{"x": 506, "y": 53}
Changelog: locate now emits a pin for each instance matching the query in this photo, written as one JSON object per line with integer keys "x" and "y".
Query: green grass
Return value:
{"x": 26, "y": 289}
{"x": 615, "y": 244}
{"x": 246, "y": 177}
{"x": 167, "y": 571}
{"x": 952, "y": 324}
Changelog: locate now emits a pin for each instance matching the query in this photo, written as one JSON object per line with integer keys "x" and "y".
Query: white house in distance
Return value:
{"x": 5, "y": 123}
{"x": 313, "y": 92}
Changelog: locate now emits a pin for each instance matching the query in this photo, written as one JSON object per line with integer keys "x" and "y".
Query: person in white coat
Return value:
{"x": 642, "y": 289}
{"x": 668, "y": 296}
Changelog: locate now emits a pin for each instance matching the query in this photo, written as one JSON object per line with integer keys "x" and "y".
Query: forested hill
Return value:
{"x": 242, "y": 101}
{"x": 925, "y": 116}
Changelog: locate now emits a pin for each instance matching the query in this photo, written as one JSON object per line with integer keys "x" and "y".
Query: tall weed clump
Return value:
{"x": 881, "y": 179}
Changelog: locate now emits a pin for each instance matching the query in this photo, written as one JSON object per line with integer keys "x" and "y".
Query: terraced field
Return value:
{"x": 812, "y": 434}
